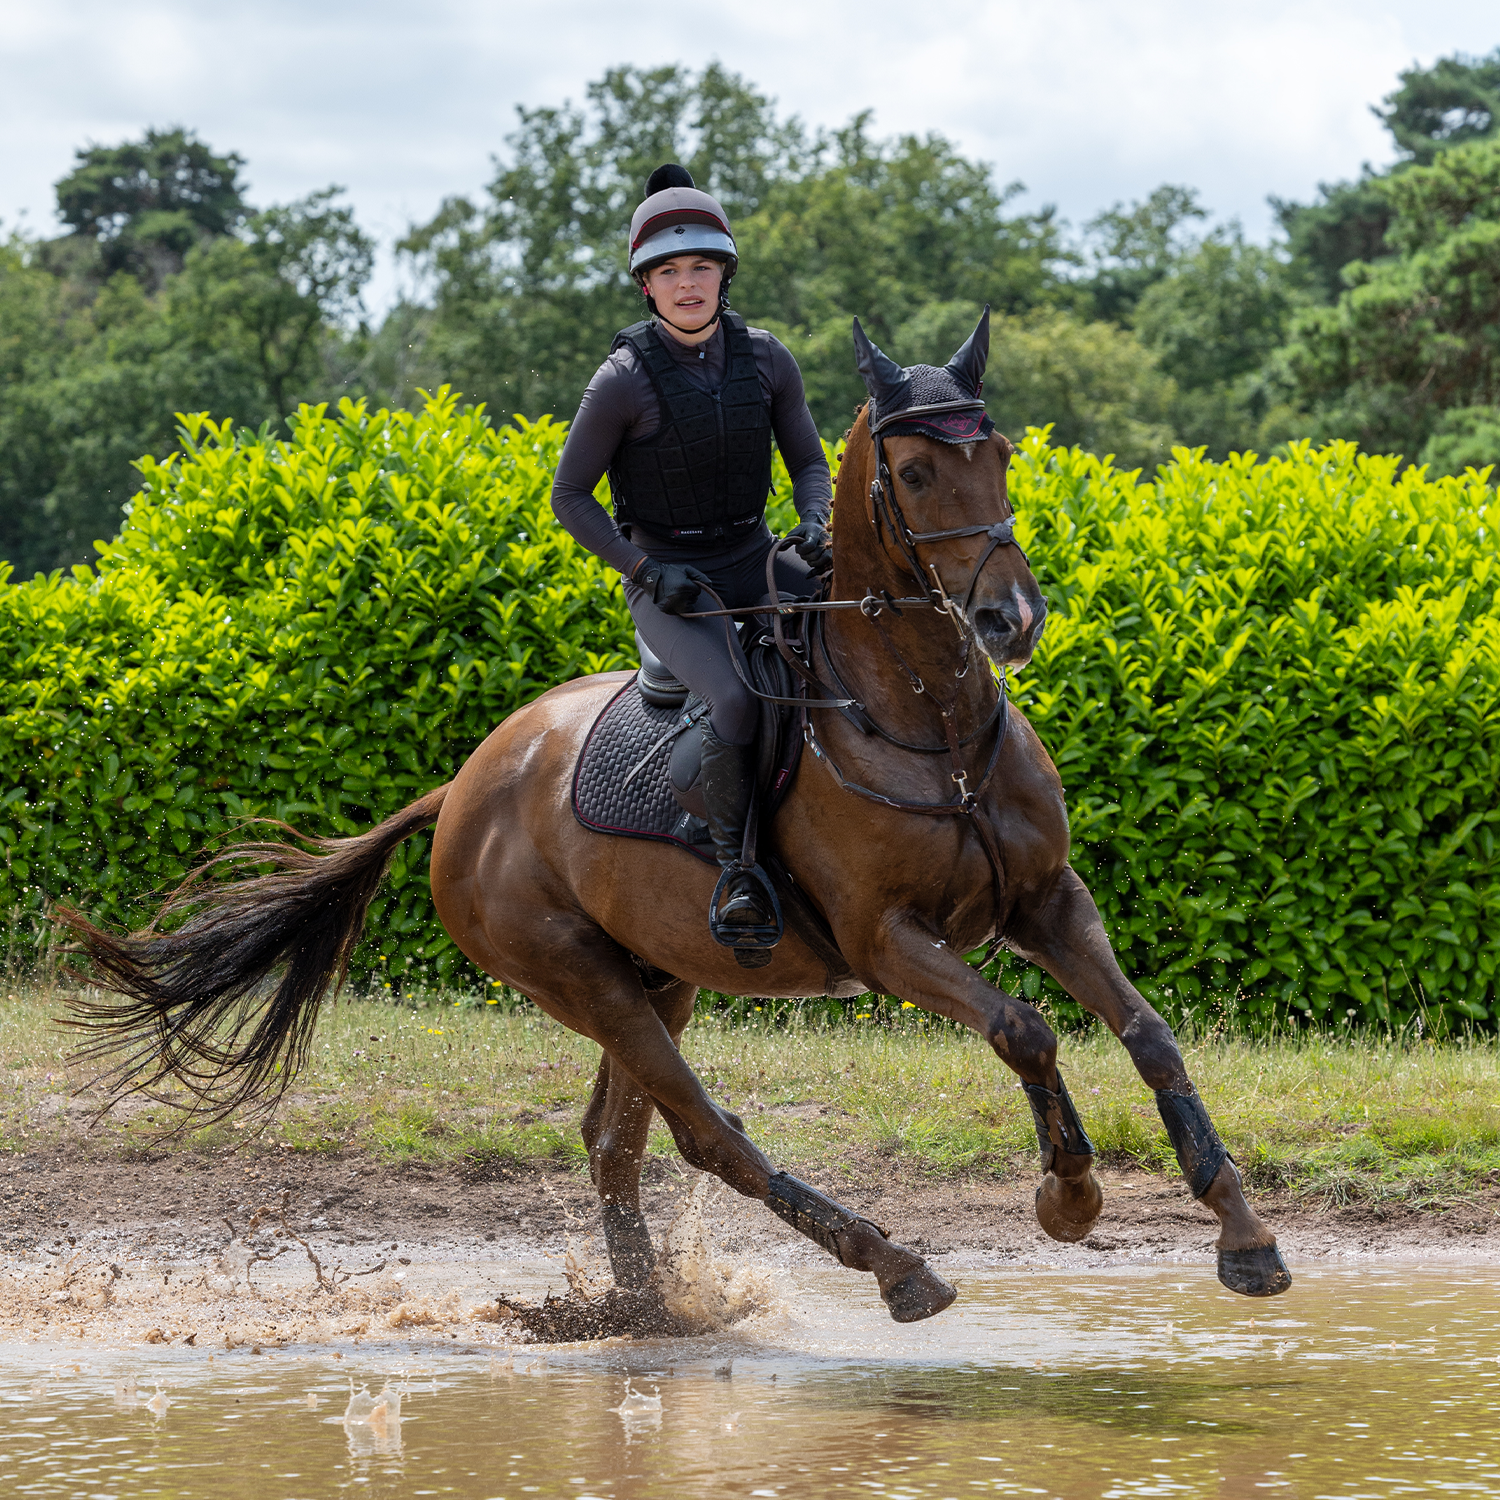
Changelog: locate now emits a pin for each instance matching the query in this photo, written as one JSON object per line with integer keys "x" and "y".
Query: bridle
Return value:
{"x": 889, "y": 516}
{"x": 886, "y": 506}
{"x": 803, "y": 658}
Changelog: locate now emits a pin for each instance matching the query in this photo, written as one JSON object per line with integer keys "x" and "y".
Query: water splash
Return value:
{"x": 638, "y": 1412}
{"x": 372, "y": 1424}
{"x": 692, "y": 1291}
{"x": 697, "y": 1285}
{"x": 638, "y": 1404}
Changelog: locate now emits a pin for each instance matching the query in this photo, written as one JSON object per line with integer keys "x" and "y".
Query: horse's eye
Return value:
{"x": 910, "y": 476}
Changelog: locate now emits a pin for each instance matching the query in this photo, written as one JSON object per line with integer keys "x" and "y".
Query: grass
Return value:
{"x": 446, "y": 1080}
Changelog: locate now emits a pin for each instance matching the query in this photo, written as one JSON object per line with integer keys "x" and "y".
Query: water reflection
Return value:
{"x": 1357, "y": 1383}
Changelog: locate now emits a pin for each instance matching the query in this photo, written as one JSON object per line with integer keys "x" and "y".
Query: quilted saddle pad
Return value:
{"x": 633, "y": 736}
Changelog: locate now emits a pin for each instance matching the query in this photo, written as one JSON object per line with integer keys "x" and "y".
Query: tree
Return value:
{"x": 1347, "y": 223}
{"x": 278, "y": 293}
{"x": 1132, "y": 248}
{"x": 147, "y": 203}
{"x": 530, "y": 286}
{"x": 881, "y": 230}
{"x": 1408, "y": 359}
{"x": 1456, "y": 100}
{"x": 1094, "y": 384}
{"x": 92, "y": 374}
{"x": 1213, "y": 320}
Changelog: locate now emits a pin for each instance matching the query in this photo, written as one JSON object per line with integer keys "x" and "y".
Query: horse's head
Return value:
{"x": 932, "y": 468}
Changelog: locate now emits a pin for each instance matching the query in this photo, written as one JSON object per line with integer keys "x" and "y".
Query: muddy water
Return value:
{"x": 1360, "y": 1382}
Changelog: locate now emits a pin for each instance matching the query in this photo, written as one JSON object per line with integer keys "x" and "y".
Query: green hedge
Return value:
{"x": 1272, "y": 687}
{"x": 321, "y": 630}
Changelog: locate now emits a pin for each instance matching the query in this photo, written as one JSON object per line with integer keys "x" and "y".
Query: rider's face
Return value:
{"x": 686, "y": 290}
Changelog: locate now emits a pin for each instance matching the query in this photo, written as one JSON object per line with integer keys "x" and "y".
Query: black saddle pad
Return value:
{"x": 632, "y": 736}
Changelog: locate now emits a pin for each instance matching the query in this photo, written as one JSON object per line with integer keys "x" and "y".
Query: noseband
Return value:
{"x": 889, "y": 515}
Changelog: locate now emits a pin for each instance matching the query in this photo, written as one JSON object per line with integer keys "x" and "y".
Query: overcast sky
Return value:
{"x": 1088, "y": 103}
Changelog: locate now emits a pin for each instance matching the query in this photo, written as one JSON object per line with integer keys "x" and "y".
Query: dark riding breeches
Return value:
{"x": 696, "y": 651}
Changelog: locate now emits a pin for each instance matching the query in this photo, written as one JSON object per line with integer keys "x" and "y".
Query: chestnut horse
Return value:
{"x": 913, "y": 859}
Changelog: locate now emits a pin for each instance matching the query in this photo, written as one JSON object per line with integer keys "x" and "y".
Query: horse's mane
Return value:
{"x": 859, "y": 411}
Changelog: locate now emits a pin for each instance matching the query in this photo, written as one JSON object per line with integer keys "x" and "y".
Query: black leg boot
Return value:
{"x": 743, "y": 899}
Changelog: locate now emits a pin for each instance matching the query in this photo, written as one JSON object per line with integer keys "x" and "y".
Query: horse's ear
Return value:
{"x": 967, "y": 366}
{"x": 882, "y": 376}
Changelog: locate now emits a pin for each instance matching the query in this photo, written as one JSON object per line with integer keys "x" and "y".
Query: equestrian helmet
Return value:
{"x": 677, "y": 219}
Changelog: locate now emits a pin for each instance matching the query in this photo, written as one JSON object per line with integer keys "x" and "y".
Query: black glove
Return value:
{"x": 673, "y": 586}
{"x": 813, "y": 544}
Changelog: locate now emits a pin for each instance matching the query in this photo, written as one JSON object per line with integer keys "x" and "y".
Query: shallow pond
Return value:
{"x": 1372, "y": 1381}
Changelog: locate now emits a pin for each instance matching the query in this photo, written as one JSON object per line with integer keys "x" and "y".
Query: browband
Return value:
{"x": 912, "y": 413}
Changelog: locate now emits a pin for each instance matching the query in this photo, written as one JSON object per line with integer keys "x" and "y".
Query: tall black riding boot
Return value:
{"x": 728, "y": 782}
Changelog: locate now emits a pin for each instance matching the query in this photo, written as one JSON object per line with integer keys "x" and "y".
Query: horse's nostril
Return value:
{"x": 998, "y": 621}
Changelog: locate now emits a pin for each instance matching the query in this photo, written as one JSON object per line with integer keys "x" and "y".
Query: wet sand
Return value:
{"x": 351, "y": 1202}
{"x": 256, "y": 1246}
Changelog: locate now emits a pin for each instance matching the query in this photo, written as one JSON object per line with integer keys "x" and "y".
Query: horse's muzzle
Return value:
{"x": 1009, "y": 629}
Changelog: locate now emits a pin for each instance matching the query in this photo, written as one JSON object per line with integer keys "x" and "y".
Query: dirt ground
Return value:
{"x": 179, "y": 1204}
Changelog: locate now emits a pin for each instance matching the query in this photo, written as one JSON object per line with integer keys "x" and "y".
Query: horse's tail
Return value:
{"x": 196, "y": 1007}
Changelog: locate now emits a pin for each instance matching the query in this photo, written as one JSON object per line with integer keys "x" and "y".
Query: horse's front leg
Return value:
{"x": 909, "y": 960}
{"x": 1065, "y": 936}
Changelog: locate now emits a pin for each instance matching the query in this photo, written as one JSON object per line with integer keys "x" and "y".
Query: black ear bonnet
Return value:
{"x": 955, "y": 387}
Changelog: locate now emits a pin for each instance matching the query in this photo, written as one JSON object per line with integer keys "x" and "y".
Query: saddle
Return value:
{"x": 638, "y": 771}
{"x": 637, "y": 774}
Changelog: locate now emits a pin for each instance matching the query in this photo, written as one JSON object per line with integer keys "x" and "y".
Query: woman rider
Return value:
{"x": 681, "y": 416}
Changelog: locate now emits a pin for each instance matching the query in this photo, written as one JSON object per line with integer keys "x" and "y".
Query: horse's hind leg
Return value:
{"x": 589, "y": 983}
{"x": 1066, "y": 937}
{"x": 615, "y": 1127}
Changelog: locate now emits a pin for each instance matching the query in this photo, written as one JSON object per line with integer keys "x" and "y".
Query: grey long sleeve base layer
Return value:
{"x": 620, "y": 406}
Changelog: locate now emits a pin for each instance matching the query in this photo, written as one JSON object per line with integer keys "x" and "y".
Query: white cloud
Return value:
{"x": 1087, "y": 102}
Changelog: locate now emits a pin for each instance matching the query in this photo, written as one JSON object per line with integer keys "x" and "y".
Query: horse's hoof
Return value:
{"x": 1257, "y": 1272}
{"x": 920, "y": 1294}
{"x": 1068, "y": 1216}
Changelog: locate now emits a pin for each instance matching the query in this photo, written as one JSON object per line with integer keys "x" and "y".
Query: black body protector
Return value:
{"x": 706, "y": 471}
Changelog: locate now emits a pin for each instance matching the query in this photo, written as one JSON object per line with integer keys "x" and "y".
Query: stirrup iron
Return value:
{"x": 752, "y": 945}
